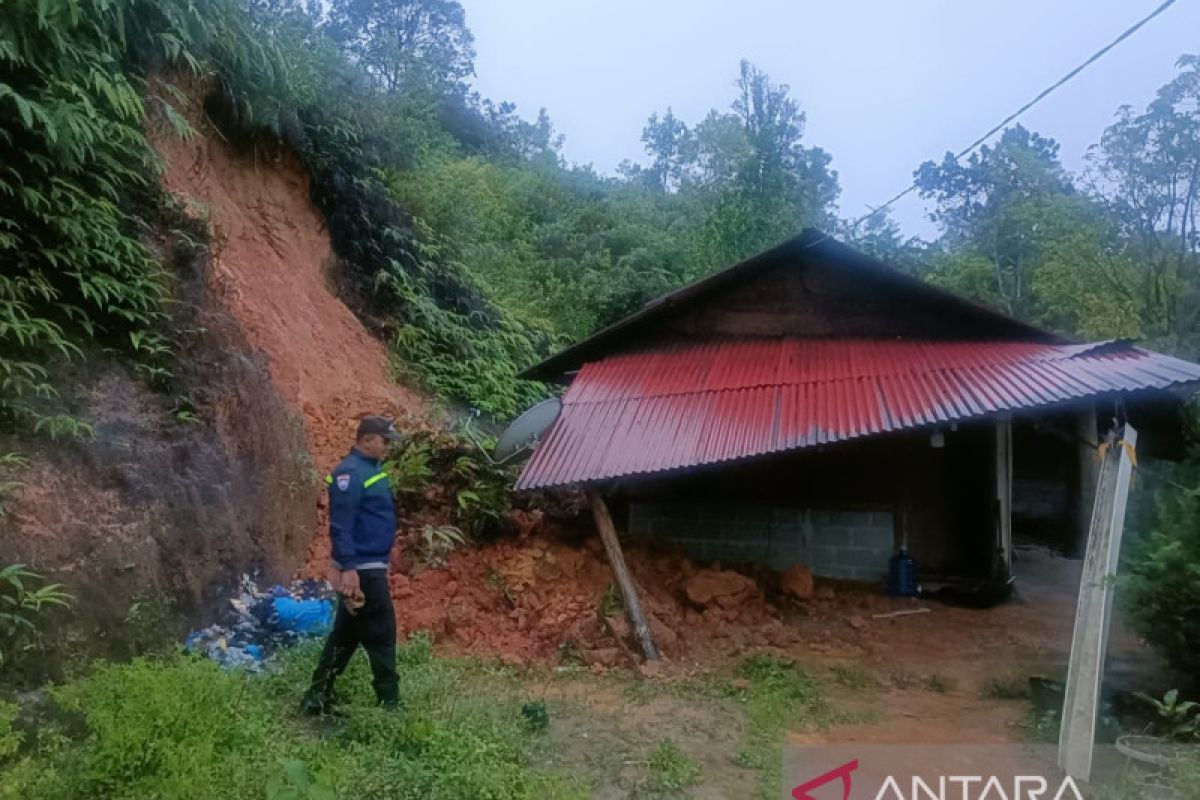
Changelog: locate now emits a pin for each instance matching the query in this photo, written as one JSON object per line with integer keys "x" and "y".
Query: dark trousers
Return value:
{"x": 374, "y": 627}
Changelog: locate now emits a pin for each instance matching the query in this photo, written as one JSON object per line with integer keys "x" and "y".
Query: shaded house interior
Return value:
{"x": 812, "y": 405}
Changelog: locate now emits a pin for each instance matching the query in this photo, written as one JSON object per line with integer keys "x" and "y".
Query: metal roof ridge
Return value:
{"x": 808, "y": 239}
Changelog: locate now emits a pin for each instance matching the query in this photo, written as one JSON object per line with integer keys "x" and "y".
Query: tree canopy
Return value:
{"x": 476, "y": 240}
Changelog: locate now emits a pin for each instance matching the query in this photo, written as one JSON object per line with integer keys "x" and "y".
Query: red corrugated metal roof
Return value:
{"x": 694, "y": 403}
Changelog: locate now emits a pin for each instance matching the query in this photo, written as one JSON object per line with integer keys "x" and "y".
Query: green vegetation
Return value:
{"x": 537, "y": 718}
{"x": 452, "y": 468}
{"x": 1135, "y": 782}
{"x": 24, "y": 597}
{"x": 464, "y": 234}
{"x": 853, "y": 676}
{"x": 183, "y": 728}
{"x": 671, "y": 770}
{"x": 1178, "y": 720}
{"x": 777, "y": 697}
{"x": 1161, "y": 590}
{"x": 70, "y": 122}
{"x": 437, "y": 542}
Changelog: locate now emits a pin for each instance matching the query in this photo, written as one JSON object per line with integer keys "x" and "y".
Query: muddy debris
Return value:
{"x": 797, "y": 582}
{"x": 539, "y": 596}
{"x": 724, "y": 588}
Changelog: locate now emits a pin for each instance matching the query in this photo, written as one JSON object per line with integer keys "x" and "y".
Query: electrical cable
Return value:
{"x": 1040, "y": 96}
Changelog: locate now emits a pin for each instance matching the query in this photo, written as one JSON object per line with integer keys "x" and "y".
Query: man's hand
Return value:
{"x": 348, "y": 587}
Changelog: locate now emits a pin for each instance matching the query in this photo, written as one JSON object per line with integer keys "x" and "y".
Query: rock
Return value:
{"x": 619, "y": 626}
{"x": 604, "y": 656}
{"x": 858, "y": 623}
{"x": 797, "y": 582}
{"x": 665, "y": 639}
{"x": 713, "y": 585}
{"x": 622, "y": 633}
{"x": 652, "y": 669}
{"x": 824, "y": 593}
{"x": 584, "y": 631}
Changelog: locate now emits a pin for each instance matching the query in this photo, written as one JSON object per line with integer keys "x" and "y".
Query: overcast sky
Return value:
{"x": 885, "y": 85}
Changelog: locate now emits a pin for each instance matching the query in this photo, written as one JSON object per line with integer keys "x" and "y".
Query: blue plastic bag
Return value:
{"x": 312, "y": 617}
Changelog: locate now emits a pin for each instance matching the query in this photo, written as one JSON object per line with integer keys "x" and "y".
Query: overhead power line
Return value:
{"x": 1096, "y": 56}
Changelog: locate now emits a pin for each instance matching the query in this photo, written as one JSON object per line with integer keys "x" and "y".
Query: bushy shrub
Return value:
{"x": 1163, "y": 581}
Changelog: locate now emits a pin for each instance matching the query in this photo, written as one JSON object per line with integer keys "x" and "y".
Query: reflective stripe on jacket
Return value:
{"x": 362, "y": 517}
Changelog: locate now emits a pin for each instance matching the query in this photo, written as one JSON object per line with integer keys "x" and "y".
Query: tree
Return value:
{"x": 978, "y": 207}
{"x": 784, "y": 178}
{"x": 400, "y": 42}
{"x": 747, "y": 167}
{"x": 671, "y": 146}
{"x": 1084, "y": 281}
{"x": 880, "y": 236}
{"x": 1147, "y": 169}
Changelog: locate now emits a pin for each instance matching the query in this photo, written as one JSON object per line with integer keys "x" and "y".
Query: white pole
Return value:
{"x": 1093, "y": 617}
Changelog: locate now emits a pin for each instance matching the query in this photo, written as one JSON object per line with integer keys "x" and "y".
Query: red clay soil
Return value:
{"x": 270, "y": 259}
{"x": 527, "y": 597}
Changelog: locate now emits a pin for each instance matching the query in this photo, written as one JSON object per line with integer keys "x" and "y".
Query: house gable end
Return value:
{"x": 810, "y": 286}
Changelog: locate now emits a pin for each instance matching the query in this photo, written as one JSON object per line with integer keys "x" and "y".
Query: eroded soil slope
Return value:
{"x": 271, "y": 258}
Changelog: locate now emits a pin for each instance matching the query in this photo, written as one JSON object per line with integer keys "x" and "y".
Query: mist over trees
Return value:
{"x": 1111, "y": 251}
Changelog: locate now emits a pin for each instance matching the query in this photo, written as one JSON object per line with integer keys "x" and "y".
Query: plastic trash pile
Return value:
{"x": 260, "y": 622}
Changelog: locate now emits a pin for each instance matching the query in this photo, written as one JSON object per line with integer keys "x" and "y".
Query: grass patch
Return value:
{"x": 852, "y": 676}
{"x": 179, "y": 727}
{"x": 777, "y": 697}
{"x": 671, "y": 771}
{"x": 1132, "y": 782}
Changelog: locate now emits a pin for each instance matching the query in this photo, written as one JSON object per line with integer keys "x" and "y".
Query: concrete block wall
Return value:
{"x": 833, "y": 543}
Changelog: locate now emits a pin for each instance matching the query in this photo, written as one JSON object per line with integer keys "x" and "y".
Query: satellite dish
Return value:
{"x": 526, "y": 429}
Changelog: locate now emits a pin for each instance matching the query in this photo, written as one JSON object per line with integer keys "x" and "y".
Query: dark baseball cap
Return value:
{"x": 381, "y": 426}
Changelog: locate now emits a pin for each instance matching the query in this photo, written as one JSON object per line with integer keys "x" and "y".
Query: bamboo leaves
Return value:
{"x": 71, "y": 116}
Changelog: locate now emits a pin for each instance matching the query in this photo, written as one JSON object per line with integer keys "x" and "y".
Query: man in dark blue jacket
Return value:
{"x": 362, "y": 527}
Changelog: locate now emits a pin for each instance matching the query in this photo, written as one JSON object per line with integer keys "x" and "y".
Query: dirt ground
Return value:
{"x": 929, "y": 677}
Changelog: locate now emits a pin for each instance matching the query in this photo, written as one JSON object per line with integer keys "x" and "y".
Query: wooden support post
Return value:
{"x": 1089, "y": 470}
{"x": 1085, "y": 673}
{"x": 1004, "y": 471}
{"x": 633, "y": 606}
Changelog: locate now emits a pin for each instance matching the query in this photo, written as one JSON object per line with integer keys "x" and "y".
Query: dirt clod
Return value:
{"x": 604, "y": 656}
{"x": 725, "y": 588}
{"x": 797, "y": 582}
